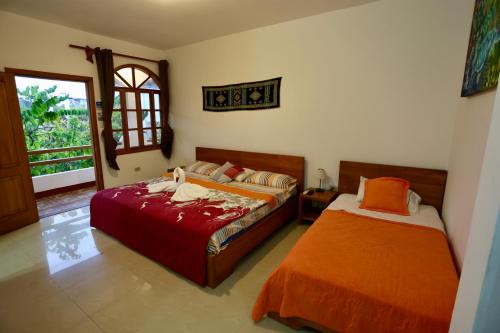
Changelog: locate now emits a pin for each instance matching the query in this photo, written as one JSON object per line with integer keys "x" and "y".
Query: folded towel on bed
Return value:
{"x": 179, "y": 176}
{"x": 167, "y": 186}
{"x": 188, "y": 192}
{"x": 170, "y": 185}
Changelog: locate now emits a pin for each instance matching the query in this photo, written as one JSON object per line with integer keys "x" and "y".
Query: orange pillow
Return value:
{"x": 386, "y": 194}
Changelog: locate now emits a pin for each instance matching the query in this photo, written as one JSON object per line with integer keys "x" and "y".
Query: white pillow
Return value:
{"x": 412, "y": 198}
{"x": 413, "y": 202}
{"x": 361, "y": 189}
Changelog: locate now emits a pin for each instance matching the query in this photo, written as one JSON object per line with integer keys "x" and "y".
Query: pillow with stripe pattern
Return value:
{"x": 244, "y": 175}
{"x": 202, "y": 168}
{"x": 271, "y": 179}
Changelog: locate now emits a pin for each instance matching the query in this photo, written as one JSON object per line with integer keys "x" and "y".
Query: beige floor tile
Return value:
{"x": 72, "y": 278}
{"x": 33, "y": 303}
{"x": 6, "y": 242}
{"x": 106, "y": 288}
{"x": 146, "y": 309}
{"x": 84, "y": 326}
{"x": 14, "y": 261}
{"x": 82, "y": 271}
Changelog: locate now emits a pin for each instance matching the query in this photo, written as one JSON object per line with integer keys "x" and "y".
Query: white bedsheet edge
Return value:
{"x": 427, "y": 216}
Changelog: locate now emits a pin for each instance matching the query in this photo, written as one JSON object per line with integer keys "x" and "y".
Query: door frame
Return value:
{"x": 11, "y": 73}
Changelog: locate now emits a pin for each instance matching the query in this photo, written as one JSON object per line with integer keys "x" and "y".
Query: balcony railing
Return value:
{"x": 59, "y": 160}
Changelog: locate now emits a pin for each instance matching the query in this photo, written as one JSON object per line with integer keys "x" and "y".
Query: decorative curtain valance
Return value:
{"x": 167, "y": 134}
{"x": 105, "y": 71}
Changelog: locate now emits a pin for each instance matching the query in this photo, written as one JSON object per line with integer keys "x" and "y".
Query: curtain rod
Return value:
{"x": 90, "y": 52}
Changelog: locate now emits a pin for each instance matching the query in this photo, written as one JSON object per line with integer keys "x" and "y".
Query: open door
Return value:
{"x": 17, "y": 204}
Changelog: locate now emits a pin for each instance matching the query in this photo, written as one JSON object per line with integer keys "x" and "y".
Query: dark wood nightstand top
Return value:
{"x": 307, "y": 210}
{"x": 325, "y": 197}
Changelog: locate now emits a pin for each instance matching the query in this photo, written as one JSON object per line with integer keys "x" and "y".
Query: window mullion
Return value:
{"x": 134, "y": 85}
{"x": 138, "y": 111}
{"x": 153, "y": 115}
{"x": 123, "y": 108}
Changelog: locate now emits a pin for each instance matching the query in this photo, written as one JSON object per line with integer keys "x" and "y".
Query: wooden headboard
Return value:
{"x": 286, "y": 164}
{"x": 428, "y": 183}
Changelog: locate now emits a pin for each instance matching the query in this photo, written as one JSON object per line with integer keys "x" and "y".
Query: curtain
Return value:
{"x": 167, "y": 134}
{"x": 105, "y": 71}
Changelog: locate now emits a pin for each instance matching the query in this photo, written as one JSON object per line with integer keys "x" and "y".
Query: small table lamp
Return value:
{"x": 321, "y": 174}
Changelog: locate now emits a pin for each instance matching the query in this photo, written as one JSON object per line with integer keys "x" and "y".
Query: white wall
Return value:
{"x": 487, "y": 319}
{"x": 36, "y": 45}
{"x": 484, "y": 218}
{"x": 378, "y": 83}
{"x": 469, "y": 144}
{"x": 63, "y": 179}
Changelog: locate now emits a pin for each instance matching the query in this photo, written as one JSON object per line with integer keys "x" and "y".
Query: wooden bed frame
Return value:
{"x": 221, "y": 265}
{"x": 428, "y": 183}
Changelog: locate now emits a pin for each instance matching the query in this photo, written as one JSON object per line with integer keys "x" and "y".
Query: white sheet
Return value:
{"x": 426, "y": 216}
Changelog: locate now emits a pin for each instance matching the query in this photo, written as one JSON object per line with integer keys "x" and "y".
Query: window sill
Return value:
{"x": 137, "y": 150}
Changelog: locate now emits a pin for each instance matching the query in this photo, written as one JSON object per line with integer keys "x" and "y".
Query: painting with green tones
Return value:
{"x": 483, "y": 58}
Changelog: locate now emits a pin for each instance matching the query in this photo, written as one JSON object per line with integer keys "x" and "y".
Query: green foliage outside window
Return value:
{"x": 49, "y": 124}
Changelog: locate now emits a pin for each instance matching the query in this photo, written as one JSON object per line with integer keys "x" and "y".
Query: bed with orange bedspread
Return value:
{"x": 353, "y": 273}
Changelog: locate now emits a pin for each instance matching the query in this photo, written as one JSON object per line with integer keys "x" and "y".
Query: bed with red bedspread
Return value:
{"x": 174, "y": 234}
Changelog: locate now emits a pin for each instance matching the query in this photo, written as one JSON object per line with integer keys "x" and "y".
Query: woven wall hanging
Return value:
{"x": 242, "y": 96}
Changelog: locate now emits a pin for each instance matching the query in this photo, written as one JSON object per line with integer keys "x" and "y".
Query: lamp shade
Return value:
{"x": 321, "y": 174}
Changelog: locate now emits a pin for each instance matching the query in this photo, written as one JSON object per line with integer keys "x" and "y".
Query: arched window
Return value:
{"x": 136, "y": 119}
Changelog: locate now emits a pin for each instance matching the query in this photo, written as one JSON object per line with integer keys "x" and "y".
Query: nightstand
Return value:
{"x": 311, "y": 206}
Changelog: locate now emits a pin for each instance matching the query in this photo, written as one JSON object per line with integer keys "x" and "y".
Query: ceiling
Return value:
{"x": 164, "y": 24}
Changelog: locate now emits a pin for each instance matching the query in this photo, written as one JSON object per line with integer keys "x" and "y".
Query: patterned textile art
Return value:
{"x": 483, "y": 58}
{"x": 242, "y": 96}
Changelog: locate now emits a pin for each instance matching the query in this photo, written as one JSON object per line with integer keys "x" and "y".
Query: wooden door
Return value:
{"x": 17, "y": 198}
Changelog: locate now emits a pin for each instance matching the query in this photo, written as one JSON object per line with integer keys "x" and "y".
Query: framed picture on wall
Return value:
{"x": 483, "y": 57}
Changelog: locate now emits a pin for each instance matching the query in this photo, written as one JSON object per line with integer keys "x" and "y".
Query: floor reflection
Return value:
{"x": 68, "y": 239}
{"x": 120, "y": 290}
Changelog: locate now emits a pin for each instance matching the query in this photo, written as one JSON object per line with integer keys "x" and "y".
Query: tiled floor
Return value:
{"x": 63, "y": 202}
{"x": 59, "y": 275}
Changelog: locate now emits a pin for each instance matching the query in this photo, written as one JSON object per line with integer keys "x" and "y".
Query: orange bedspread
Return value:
{"x": 353, "y": 273}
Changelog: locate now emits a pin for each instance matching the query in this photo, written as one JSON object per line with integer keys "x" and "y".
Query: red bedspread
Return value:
{"x": 176, "y": 234}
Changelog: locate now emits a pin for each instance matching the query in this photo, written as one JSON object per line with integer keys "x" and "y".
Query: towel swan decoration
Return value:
{"x": 183, "y": 191}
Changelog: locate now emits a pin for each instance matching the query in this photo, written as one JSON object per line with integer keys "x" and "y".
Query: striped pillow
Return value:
{"x": 202, "y": 168}
{"x": 244, "y": 175}
{"x": 271, "y": 179}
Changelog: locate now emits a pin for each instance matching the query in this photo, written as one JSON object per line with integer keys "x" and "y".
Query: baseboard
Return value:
{"x": 64, "y": 189}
